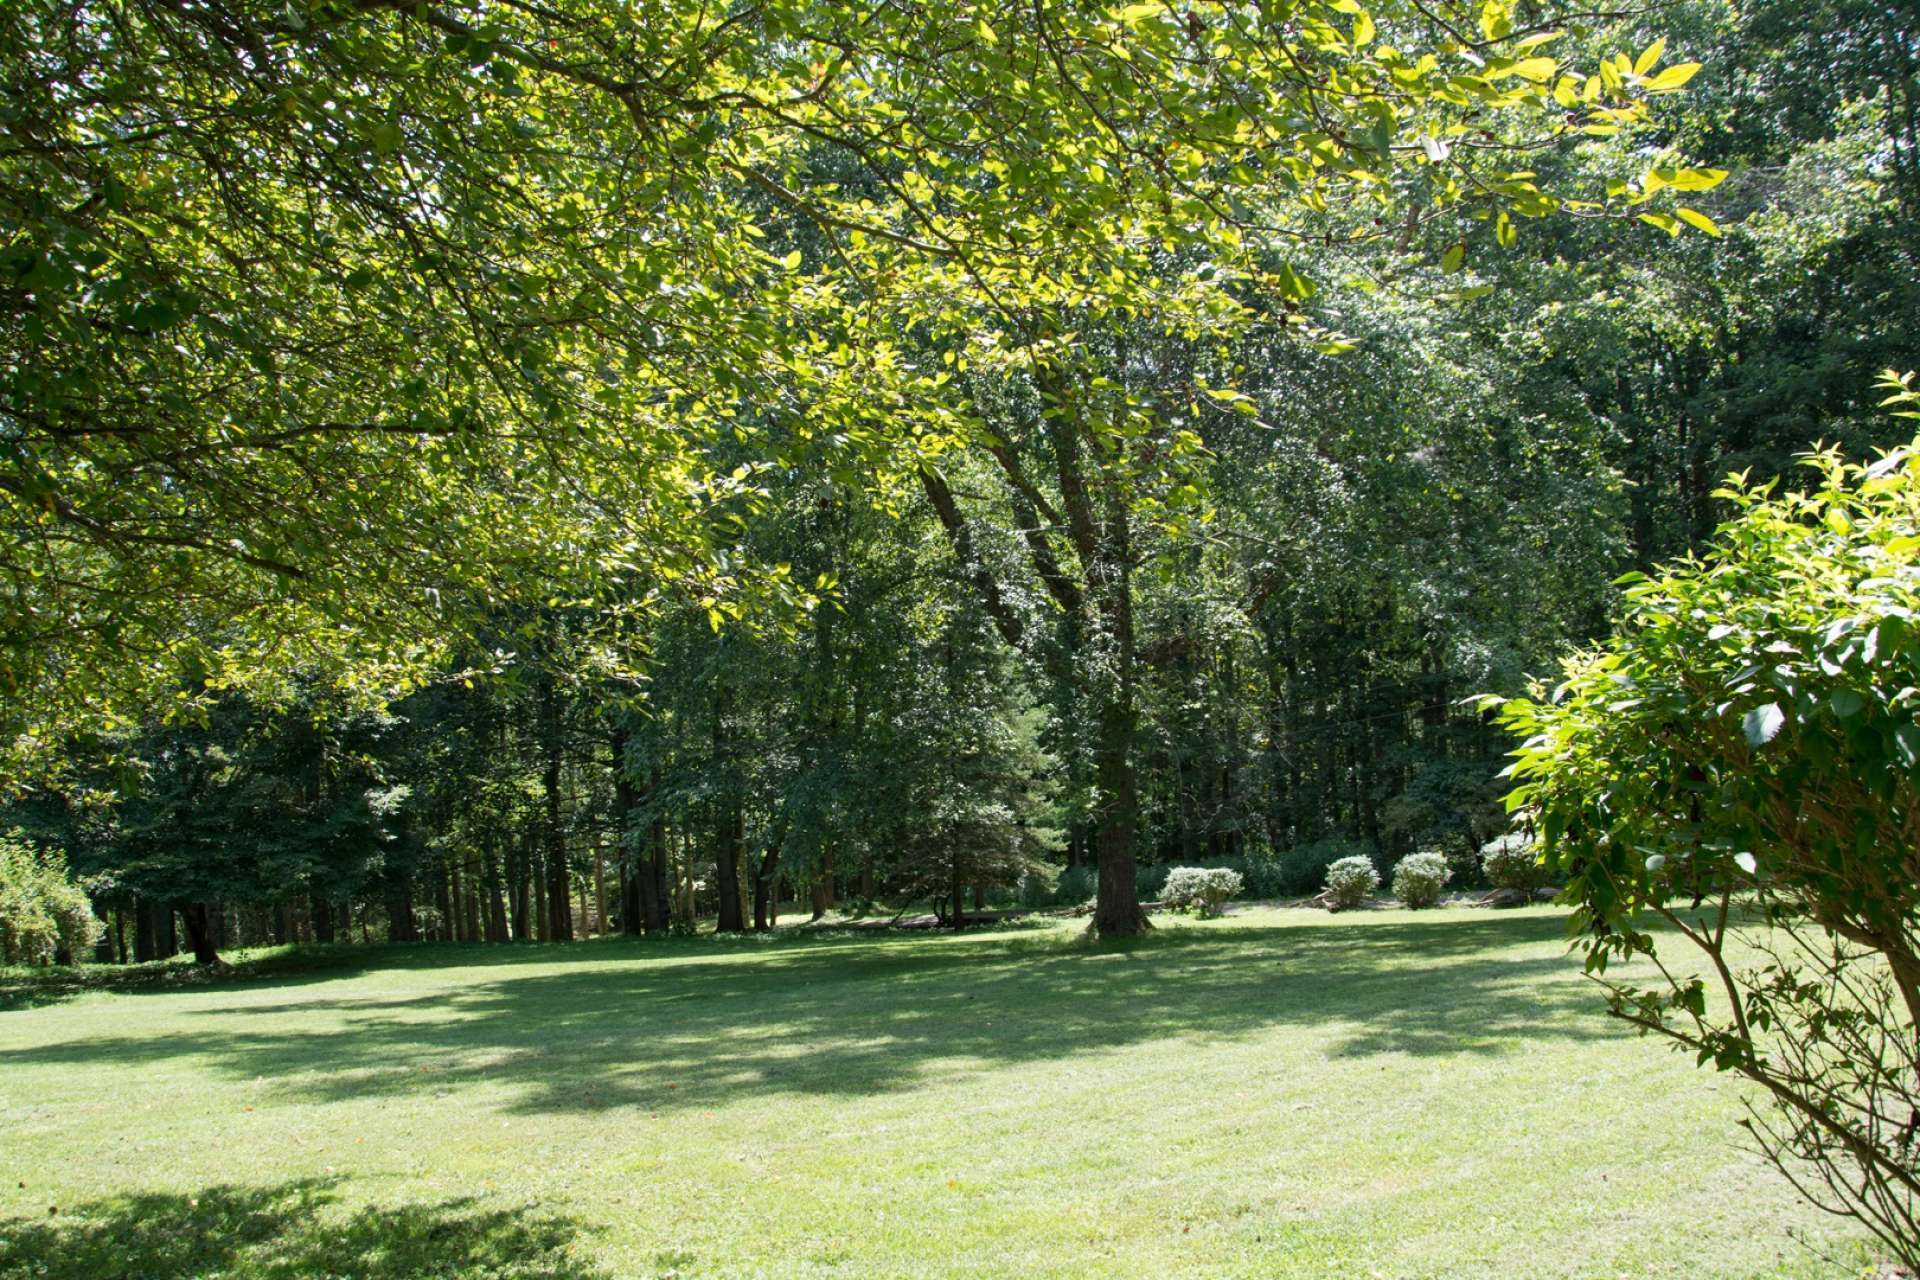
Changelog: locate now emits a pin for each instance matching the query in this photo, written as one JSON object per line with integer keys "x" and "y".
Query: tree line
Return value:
{"x": 929, "y": 457}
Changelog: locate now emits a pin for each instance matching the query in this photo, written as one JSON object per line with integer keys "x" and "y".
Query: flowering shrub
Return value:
{"x": 1351, "y": 881}
{"x": 1419, "y": 877}
{"x": 1202, "y": 890}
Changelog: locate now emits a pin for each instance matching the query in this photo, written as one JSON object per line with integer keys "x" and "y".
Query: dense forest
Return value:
{"x": 874, "y": 608}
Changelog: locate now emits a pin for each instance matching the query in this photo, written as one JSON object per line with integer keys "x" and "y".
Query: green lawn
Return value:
{"x": 1279, "y": 1093}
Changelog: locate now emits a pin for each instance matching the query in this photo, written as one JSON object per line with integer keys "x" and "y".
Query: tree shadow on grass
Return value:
{"x": 286, "y": 1232}
{"x": 682, "y": 1027}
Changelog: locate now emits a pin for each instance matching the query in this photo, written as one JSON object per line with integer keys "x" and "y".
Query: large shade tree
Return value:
{"x": 330, "y": 327}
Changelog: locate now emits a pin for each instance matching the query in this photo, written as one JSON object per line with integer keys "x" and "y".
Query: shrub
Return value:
{"x": 1149, "y": 881}
{"x": 1075, "y": 886}
{"x": 1265, "y": 876}
{"x": 1742, "y": 761}
{"x": 1202, "y": 890}
{"x": 1302, "y": 870}
{"x": 1351, "y": 881}
{"x": 1037, "y": 887}
{"x": 1418, "y": 879}
{"x": 1512, "y": 862}
{"x": 43, "y": 913}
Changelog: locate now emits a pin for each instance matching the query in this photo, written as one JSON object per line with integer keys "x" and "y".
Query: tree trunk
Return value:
{"x": 1116, "y": 911}
{"x": 820, "y": 890}
{"x": 559, "y": 897}
{"x": 655, "y": 896}
{"x": 496, "y": 897}
{"x": 599, "y": 891}
{"x": 629, "y": 865}
{"x": 322, "y": 920}
{"x": 200, "y": 934}
{"x": 400, "y": 926}
{"x": 727, "y": 855}
{"x": 519, "y": 890}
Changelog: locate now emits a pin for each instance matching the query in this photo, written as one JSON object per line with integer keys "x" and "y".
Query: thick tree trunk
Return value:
{"x": 1116, "y": 910}
{"x": 145, "y": 935}
{"x": 200, "y": 934}
{"x": 322, "y": 920}
{"x": 820, "y": 891}
{"x": 400, "y": 926}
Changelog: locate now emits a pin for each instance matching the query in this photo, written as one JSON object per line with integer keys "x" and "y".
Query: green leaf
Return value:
{"x": 1454, "y": 258}
{"x": 1698, "y": 220}
{"x": 1651, "y": 57}
{"x": 1673, "y": 78}
{"x": 1762, "y": 724}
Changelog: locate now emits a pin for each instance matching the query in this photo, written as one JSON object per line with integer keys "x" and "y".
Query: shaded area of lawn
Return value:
{"x": 683, "y": 1024}
{"x": 283, "y": 1232}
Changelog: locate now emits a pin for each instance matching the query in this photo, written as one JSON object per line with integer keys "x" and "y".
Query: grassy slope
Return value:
{"x": 1281, "y": 1093}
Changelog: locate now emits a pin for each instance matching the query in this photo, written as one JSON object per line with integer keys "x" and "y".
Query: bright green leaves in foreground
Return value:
{"x": 1743, "y": 762}
{"x": 1755, "y": 722}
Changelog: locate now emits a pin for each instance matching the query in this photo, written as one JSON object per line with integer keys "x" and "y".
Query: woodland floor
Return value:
{"x": 1279, "y": 1093}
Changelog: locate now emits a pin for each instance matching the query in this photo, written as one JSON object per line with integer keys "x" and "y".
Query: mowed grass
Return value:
{"x": 1279, "y": 1093}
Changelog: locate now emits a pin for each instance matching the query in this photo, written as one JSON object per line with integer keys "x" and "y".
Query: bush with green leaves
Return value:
{"x": 1037, "y": 887}
{"x": 1302, "y": 870}
{"x": 1075, "y": 886}
{"x": 1742, "y": 762}
{"x": 1351, "y": 881}
{"x": 1201, "y": 890}
{"x": 43, "y": 913}
{"x": 1512, "y": 862}
{"x": 1418, "y": 879}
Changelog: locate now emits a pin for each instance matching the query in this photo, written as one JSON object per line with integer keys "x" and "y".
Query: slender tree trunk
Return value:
{"x": 540, "y": 926}
{"x": 655, "y": 894}
{"x": 630, "y": 863}
{"x": 820, "y": 890}
{"x": 559, "y": 895}
{"x": 520, "y": 895}
{"x": 496, "y": 897}
{"x": 599, "y": 891}
{"x": 766, "y": 885}
{"x": 727, "y": 855}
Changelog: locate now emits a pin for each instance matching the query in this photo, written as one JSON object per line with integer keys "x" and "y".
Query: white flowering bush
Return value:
{"x": 1512, "y": 862}
{"x": 1351, "y": 881}
{"x": 1201, "y": 890}
{"x": 1418, "y": 879}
